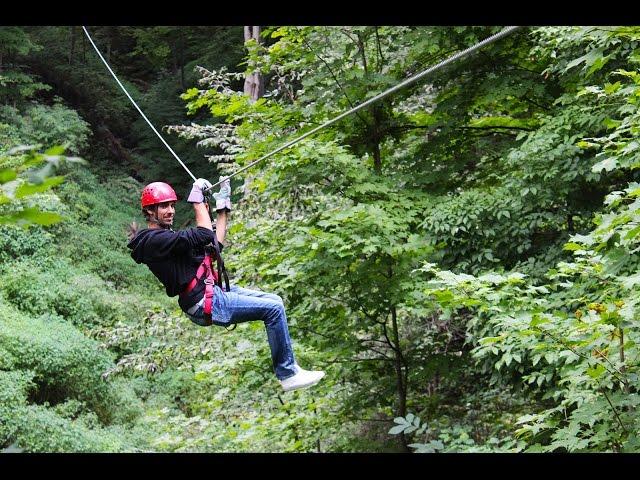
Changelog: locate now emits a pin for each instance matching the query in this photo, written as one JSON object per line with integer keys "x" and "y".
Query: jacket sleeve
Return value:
{"x": 166, "y": 242}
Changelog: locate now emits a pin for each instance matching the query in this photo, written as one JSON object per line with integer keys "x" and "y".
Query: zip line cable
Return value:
{"x": 506, "y": 31}
{"x": 408, "y": 81}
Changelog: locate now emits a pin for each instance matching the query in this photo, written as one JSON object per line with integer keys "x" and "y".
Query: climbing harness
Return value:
{"x": 210, "y": 277}
{"x": 391, "y": 90}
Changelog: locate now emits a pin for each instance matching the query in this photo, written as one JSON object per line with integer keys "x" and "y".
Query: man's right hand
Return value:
{"x": 197, "y": 191}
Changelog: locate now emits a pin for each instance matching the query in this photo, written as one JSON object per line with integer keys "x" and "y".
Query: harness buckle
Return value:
{"x": 208, "y": 281}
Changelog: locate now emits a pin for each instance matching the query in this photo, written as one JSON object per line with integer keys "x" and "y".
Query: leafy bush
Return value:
{"x": 65, "y": 364}
{"x": 59, "y": 288}
{"x": 45, "y": 125}
{"x": 14, "y": 390}
{"x": 16, "y": 242}
{"x": 36, "y": 428}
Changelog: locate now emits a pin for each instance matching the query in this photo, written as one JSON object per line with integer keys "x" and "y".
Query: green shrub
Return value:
{"x": 65, "y": 364}
{"x": 55, "y": 286}
{"x": 96, "y": 227}
{"x": 45, "y": 125}
{"x": 14, "y": 388}
{"x": 16, "y": 242}
{"x": 36, "y": 428}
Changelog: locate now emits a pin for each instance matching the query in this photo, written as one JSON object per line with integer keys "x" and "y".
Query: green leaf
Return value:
{"x": 611, "y": 124}
{"x": 6, "y": 175}
{"x": 596, "y": 372}
{"x": 492, "y": 278}
{"x": 29, "y": 189}
{"x": 633, "y": 233}
{"x": 585, "y": 145}
{"x": 594, "y": 58}
{"x": 607, "y": 164}
{"x": 422, "y": 447}
{"x": 31, "y": 215}
{"x": 630, "y": 281}
{"x": 398, "y": 429}
{"x": 503, "y": 122}
{"x": 200, "y": 376}
{"x": 610, "y": 88}
{"x": 57, "y": 150}
{"x": 538, "y": 320}
{"x": 489, "y": 340}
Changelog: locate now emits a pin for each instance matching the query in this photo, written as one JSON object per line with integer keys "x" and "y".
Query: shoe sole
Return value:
{"x": 304, "y": 386}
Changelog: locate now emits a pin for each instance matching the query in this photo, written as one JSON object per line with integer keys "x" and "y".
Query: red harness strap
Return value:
{"x": 210, "y": 279}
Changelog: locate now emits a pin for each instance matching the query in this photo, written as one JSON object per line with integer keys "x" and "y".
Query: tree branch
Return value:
{"x": 614, "y": 409}
{"x": 335, "y": 79}
{"x": 545, "y": 332}
{"x": 379, "y": 50}
{"x": 496, "y": 126}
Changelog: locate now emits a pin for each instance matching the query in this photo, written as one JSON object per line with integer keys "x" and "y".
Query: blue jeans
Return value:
{"x": 243, "y": 305}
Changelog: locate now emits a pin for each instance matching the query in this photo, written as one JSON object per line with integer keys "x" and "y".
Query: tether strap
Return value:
{"x": 222, "y": 271}
{"x": 211, "y": 277}
{"x": 206, "y": 271}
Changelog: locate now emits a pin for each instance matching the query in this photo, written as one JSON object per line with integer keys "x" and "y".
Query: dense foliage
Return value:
{"x": 460, "y": 257}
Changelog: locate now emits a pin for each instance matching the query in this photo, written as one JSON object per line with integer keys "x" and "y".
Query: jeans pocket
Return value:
{"x": 220, "y": 308}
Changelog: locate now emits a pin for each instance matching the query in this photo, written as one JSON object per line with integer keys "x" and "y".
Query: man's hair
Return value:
{"x": 149, "y": 213}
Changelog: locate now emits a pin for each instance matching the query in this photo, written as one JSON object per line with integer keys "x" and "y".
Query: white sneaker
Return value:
{"x": 302, "y": 379}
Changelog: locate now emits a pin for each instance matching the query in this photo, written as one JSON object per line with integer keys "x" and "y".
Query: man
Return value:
{"x": 181, "y": 261}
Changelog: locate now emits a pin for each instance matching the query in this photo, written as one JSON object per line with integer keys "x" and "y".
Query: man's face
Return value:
{"x": 166, "y": 212}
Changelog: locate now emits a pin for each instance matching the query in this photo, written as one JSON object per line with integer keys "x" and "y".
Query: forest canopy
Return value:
{"x": 460, "y": 257}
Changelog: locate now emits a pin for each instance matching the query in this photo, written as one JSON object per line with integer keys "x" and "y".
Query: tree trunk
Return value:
{"x": 181, "y": 57}
{"x": 254, "y": 83}
{"x": 113, "y": 144}
{"x": 377, "y": 159}
{"x": 376, "y": 113}
{"x": 363, "y": 54}
{"x": 174, "y": 59}
{"x": 72, "y": 47}
{"x": 401, "y": 376}
{"x": 84, "y": 50}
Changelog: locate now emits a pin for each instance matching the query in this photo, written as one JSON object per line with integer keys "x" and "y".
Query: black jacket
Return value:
{"x": 174, "y": 258}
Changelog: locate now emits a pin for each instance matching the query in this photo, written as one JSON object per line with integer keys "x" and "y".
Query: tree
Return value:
{"x": 254, "y": 83}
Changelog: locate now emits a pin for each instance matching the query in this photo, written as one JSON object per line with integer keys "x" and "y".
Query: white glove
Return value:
{"x": 197, "y": 191}
{"x": 223, "y": 197}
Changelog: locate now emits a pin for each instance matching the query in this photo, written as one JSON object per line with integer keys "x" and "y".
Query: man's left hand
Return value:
{"x": 223, "y": 197}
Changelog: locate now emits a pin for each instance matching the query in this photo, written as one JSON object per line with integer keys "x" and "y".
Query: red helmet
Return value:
{"x": 157, "y": 192}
